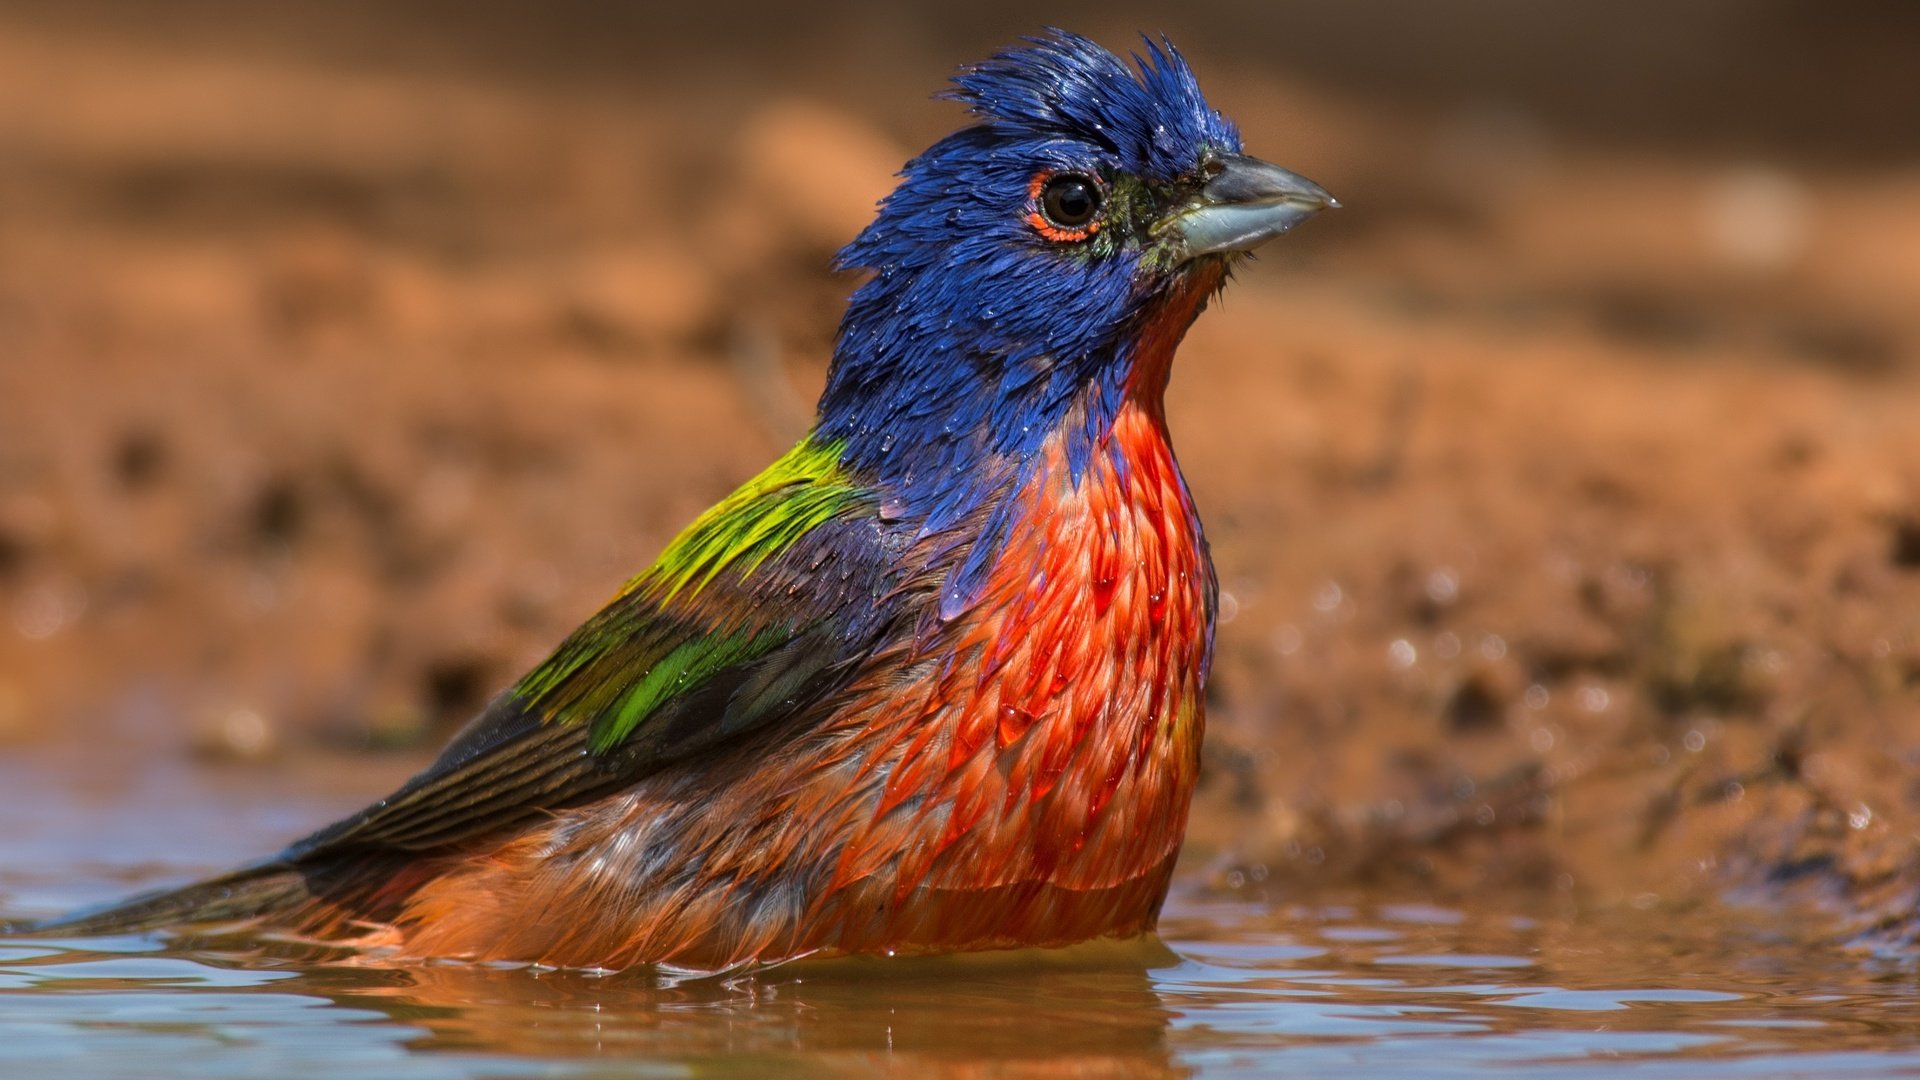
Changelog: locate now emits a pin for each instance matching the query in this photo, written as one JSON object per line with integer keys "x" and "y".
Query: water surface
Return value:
{"x": 1380, "y": 985}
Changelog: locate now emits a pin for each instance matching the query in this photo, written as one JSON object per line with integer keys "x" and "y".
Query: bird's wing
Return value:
{"x": 754, "y": 613}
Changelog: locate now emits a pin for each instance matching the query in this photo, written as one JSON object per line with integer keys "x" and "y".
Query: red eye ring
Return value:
{"x": 1039, "y": 199}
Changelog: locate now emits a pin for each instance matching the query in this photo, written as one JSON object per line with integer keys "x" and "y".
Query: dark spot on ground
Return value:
{"x": 279, "y": 513}
{"x": 1906, "y": 543}
{"x": 139, "y": 460}
{"x": 455, "y": 688}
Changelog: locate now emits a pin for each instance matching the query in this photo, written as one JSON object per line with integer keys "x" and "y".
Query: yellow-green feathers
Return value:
{"x": 660, "y": 638}
{"x": 763, "y": 518}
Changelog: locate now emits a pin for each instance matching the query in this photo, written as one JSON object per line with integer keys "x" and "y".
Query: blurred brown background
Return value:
{"x": 1565, "y": 487}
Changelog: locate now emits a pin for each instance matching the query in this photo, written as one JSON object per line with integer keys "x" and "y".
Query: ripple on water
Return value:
{"x": 1381, "y": 986}
{"x": 1245, "y": 990}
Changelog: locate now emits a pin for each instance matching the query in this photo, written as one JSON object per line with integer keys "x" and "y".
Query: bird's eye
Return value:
{"x": 1066, "y": 205}
{"x": 1070, "y": 201}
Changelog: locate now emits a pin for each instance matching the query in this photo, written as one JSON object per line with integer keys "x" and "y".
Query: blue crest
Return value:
{"x": 1156, "y": 121}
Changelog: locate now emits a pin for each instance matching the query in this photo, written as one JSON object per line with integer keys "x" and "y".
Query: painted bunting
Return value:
{"x": 935, "y": 679}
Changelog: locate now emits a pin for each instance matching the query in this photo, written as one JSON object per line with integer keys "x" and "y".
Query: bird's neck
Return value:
{"x": 943, "y": 427}
{"x": 962, "y": 434}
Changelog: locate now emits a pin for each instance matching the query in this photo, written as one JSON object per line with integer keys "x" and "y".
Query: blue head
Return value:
{"x": 1020, "y": 260}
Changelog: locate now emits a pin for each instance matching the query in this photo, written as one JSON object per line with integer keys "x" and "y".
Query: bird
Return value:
{"x": 935, "y": 680}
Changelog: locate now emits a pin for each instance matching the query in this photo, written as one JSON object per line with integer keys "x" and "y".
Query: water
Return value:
{"x": 1377, "y": 985}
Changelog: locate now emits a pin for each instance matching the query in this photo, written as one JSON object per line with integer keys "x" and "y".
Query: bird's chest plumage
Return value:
{"x": 1056, "y": 745}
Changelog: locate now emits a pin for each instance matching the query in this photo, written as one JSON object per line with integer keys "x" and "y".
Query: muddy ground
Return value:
{"x": 1565, "y": 487}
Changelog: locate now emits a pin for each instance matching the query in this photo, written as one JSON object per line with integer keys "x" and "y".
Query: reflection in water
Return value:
{"x": 1242, "y": 989}
{"x": 1089, "y": 1010}
{"x": 1080, "y": 1012}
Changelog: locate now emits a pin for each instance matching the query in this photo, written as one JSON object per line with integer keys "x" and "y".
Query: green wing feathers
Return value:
{"x": 766, "y": 516}
{"x": 665, "y": 634}
{"x": 748, "y": 617}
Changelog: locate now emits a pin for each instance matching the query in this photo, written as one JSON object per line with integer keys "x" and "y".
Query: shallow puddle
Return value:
{"x": 1376, "y": 985}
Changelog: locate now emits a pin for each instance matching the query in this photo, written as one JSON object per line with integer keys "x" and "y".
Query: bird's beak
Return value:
{"x": 1247, "y": 203}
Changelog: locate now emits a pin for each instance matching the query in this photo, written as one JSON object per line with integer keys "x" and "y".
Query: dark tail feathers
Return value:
{"x": 250, "y": 892}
